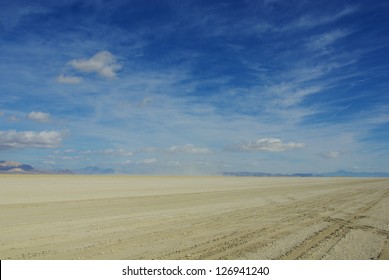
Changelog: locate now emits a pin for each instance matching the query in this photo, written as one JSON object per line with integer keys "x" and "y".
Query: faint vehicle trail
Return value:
{"x": 124, "y": 217}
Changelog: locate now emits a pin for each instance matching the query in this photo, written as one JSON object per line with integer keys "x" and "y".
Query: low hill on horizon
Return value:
{"x": 16, "y": 167}
{"x": 339, "y": 173}
{"x": 13, "y": 167}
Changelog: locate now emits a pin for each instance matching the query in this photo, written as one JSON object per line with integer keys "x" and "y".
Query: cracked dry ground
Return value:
{"x": 129, "y": 217}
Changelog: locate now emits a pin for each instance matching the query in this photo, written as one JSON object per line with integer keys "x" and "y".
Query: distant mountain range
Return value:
{"x": 343, "y": 173}
{"x": 89, "y": 170}
{"x": 16, "y": 167}
{"x": 339, "y": 173}
{"x": 12, "y": 167}
{"x": 94, "y": 170}
{"x": 265, "y": 174}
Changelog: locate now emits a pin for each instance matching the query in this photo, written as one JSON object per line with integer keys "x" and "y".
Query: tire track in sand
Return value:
{"x": 289, "y": 218}
{"x": 334, "y": 233}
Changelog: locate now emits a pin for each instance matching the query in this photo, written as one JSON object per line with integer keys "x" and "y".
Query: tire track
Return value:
{"x": 335, "y": 232}
{"x": 162, "y": 231}
{"x": 237, "y": 244}
{"x": 385, "y": 252}
{"x": 303, "y": 212}
{"x": 236, "y": 241}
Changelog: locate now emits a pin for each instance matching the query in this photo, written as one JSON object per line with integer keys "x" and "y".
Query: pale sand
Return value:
{"x": 130, "y": 217}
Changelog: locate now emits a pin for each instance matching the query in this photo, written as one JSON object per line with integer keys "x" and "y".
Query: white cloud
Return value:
{"x": 184, "y": 149}
{"x": 266, "y": 145}
{"x": 109, "y": 152}
{"x": 71, "y": 158}
{"x": 13, "y": 118}
{"x": 146, "y": 161}
{"x": 188, "y": 149}
{"x": 119, "y": 152}
{"x": 68, "y": 79}
{"x": 332, "y": 155}
{"x": 104, "y": 63}
{"x": 39, "y": 116}
{"x": 12, "y": 139}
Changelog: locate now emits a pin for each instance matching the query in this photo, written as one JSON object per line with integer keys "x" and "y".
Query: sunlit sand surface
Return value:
{"x": 150, "y": 217}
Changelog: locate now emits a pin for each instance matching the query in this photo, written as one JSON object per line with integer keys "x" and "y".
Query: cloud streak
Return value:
{"x": 109, "y": 152}
{"x": 68, "y": 79}
{"x": 332, "y": 155}
{"x": 311, "y": 21}
{"x": 188, "y": 149}
{"x": 273, "y": 145}
{"x": 324, "y": 40}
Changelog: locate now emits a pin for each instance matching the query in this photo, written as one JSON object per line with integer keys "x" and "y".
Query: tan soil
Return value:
{"x": 132, "y": 217}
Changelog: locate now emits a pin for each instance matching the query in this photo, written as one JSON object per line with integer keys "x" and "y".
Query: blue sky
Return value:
{"x": 195, "y": 87}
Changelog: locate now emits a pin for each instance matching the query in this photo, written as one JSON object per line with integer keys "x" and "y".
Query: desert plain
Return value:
{"x": 157, "y": 217}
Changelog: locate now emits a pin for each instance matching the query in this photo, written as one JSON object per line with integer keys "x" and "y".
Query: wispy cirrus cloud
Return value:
{"x": 109, "y": 152}
{"x": 88, "y": 155}
{"x": 147, "y": 161}
{"x": 12, "y": 13}
{"x": 68, "y": 79}
{"x": 291, "y": 94}
{"x": 13, "y": 118}
{"x": 332, "y": 155}
{"x": 320, "y": 42}
{"x": 266, "y": 145}
{"x": 310, "y": 21}
{"x": 188, "y": 149}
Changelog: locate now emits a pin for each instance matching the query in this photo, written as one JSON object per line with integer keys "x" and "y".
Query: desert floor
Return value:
{"x": 135, "y": 217}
